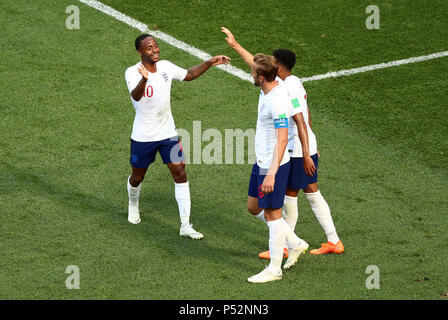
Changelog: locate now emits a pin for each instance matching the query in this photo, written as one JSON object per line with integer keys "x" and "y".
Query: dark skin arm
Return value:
{"x": 196, "y": 71}
{"x": 192, "y": 74}
{"x": 309, "y": 118}
{"x": 308, "y": 163}
{"x": 139, "y": 90}
{"x": 309, "y": 123}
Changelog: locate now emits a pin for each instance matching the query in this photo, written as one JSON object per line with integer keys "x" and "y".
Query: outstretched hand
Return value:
{"x": 230, "y": 38}
{"x": 196, "y": 71}
{"x": 217, "y": 60}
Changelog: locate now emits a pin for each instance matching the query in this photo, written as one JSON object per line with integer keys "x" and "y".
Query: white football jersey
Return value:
{"x": 274, "y": 112}
{"x": 153, "y": 119}
{"x": 298, "y": 99}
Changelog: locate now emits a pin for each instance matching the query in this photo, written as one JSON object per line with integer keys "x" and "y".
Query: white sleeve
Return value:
{"x": 132, "y": 77}
{"x": 281, "y": 112}
{"x": 177, "y": 73}
{"x": 296, "y": 96}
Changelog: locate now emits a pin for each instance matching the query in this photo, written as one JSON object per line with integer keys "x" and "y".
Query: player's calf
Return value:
{"x": 134, "y": 194}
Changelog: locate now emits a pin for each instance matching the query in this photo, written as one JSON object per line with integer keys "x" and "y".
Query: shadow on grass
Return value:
{"x": 214, "y": 248}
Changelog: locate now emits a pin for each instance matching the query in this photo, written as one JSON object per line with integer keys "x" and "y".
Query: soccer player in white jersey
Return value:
{"x": 304, "y": 157}
{"x": 149, "y": 84}
{"x": 299, "y": 177}
{"x": 269, "y": 177}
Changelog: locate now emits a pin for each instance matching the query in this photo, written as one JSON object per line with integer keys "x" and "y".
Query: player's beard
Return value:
{"x": 257, "y": 82}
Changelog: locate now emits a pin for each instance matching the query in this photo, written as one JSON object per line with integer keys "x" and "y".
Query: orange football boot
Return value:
{"x": 266, "y": 255}
{"x": 329, "y": 247}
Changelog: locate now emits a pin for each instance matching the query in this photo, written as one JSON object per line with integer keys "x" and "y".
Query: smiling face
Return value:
{"x": 149, "y": 50}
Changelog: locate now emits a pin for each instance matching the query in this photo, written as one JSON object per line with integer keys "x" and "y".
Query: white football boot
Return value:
{"x": 187, "y": 230}
{"x": 133, "y": 215}
{"x": 265, "y": 276}
{"x": 295, "y": 253}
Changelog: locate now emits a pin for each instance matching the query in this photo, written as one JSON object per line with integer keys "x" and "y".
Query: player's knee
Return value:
{"x": 312, "y": 188}
{"x": 292, "y": 192}
{"x": 253, "y": 210}
{"x": 135, "y": 180}
{"x": 180, "y": 176}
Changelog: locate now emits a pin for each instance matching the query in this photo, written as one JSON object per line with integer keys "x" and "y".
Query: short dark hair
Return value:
{"x": 285, "y": 57}
{"x": 139, "y": 39}
{"x": 266, "y": 66}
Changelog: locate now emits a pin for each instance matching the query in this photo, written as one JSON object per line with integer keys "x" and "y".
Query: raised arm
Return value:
{"x": 246, "y": 55}
{"x": 139, "y": 90}
{"x": 196, "y": 71}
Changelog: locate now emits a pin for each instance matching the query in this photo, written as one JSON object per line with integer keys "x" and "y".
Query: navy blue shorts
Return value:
{"x": 297, "y": 177}
{"x": 274, "y": 199}
{"x": 144, "y": 153}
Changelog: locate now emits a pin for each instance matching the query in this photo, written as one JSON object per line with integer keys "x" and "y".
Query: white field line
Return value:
{"x": 164, "y": 37}
{"x": 376, "y": 66}
{"x": 231, "y": 69}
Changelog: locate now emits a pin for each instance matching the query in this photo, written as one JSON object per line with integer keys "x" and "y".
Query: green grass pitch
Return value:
{"x": 66, "y": 120}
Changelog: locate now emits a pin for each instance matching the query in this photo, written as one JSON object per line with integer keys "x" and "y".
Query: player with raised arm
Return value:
{"x": 149, "y": 84}
{"x": 269, "y": 177}
{"x": 304, "y": 157}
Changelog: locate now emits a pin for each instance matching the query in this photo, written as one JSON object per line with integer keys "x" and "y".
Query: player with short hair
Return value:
{"x": 299, "y": 178}
{"x": 149, "y": 84}
{"x": 304, "y": 157}
{"x": 269, "y": 177}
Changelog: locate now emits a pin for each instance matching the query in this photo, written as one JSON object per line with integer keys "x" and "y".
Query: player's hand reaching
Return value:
{"x": 268, "y": 184}
{"x": 246, "y": 55}
{"x": 196, "y": 71}
{"x": 217, "y": 60}
{"x": 143, "y": 71}
{"x": 230, "y": 38}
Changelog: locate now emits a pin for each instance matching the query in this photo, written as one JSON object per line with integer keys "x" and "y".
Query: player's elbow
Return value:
{"x": 190, "y": 76}
{"x": 253, "y": 211}
{"x": 135, "y": 97}
{"x": 299, "y": 120}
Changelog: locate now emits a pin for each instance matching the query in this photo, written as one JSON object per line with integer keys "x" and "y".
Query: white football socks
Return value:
{"x": 277, "y": 238}
{"x": 261, "y": 216}
{"x": 290, "y": 213}
{"x": 182, "y": 195}
{"x": 322, "y": 212}
{"x": 134, "y": 194}
{"x": 292, "y": 240}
